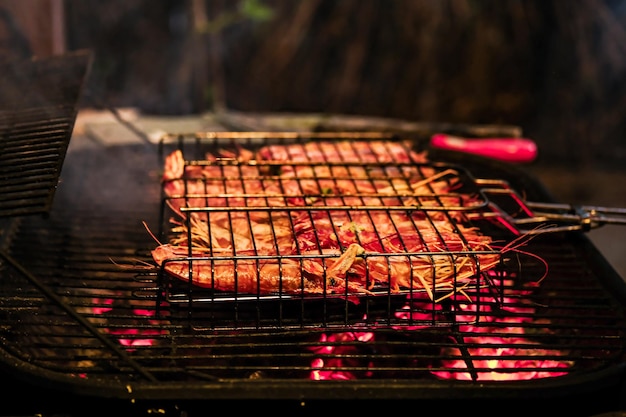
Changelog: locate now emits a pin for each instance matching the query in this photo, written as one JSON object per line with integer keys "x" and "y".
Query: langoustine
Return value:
{"x": 255, "y": 275}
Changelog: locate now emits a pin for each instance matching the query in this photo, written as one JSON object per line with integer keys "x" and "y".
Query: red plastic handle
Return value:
{"x": 505, "y": 149}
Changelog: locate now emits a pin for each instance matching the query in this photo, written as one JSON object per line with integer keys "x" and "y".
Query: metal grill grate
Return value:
{"x": 38, "y": 106}
{"x": 83, "y": 317}
{"x": 92, "y": 313}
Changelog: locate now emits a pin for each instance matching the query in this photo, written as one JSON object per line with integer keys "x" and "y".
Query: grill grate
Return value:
{"x": 84, "y": 317}
{"x": 571, "y": 324}
{"x": 38, "y": 105}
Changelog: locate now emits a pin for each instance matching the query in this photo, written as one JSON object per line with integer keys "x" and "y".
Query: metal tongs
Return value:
{"x": 530, "y": 218}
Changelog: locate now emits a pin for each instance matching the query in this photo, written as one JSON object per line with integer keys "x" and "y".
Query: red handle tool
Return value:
{"x": 521, "y": 150}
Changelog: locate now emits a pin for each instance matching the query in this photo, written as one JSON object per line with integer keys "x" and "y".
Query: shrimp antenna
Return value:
{"x": 150, "y": 232}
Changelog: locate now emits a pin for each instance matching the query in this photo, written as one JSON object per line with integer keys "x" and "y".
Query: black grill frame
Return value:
{"x": 88, "y": 247}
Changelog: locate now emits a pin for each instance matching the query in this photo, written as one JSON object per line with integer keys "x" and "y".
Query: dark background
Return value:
{"x": 555, "y": 68}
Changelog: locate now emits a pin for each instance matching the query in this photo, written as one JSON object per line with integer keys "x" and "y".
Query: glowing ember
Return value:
{"x": 492, "y": 348}
{"x": 127, "y": 337}
{"x": 324, "y": 368}
{"x": 507, "y": 366}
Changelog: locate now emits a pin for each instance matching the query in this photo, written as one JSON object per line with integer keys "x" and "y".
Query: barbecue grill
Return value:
{"x": 90, "y": 322}
{"x": 82, "y": 312}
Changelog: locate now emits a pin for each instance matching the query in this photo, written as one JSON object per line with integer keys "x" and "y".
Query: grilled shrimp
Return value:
{"x": 262, "y": 276}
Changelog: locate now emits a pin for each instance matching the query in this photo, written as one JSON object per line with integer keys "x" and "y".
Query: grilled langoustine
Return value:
{"x": 262, "y": 276}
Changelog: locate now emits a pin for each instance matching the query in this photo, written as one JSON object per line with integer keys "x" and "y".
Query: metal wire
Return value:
{"x": 531, "y": 218}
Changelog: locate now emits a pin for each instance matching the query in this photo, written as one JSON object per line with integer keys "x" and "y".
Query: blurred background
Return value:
{"x": 556, "y": 69}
